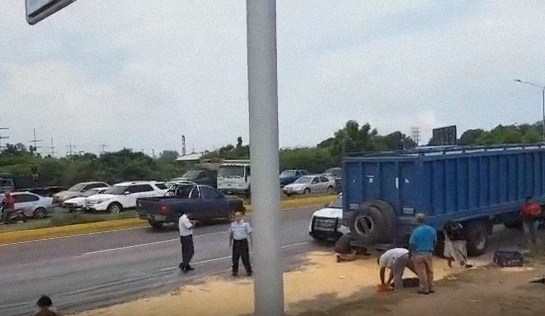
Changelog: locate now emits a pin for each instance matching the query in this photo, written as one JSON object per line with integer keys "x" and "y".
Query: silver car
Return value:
{"x": 311, "y": 184}
{"x": 33, "y": 205}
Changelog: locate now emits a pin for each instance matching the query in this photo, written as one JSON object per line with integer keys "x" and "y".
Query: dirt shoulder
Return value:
{"x": 320, "y": 286}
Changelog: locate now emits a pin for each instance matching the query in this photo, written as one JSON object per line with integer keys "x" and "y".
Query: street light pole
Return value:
{"x": 542, "y": 103}
{"x": 264, "y": 160}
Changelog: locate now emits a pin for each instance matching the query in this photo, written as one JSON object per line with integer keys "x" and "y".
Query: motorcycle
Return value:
{"x": 14, "y": 216}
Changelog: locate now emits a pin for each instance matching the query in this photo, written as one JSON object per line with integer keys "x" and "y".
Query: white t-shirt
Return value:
{"x": 387, "y": 259}
{"x": 185, "y": 226}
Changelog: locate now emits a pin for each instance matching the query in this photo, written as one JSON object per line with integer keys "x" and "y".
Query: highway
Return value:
{"x": 100, "y": 269}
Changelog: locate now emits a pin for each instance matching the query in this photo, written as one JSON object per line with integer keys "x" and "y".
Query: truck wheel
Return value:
{"x": 477, "y": 238}
{"x": 368, "y": 224}
{"x": 390, "y": 217}
{"x": 155, "y": 225}
{"x": 114, "y": 208}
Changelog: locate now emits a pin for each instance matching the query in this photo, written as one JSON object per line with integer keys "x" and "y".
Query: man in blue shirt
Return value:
{"x": 422, "y": 244}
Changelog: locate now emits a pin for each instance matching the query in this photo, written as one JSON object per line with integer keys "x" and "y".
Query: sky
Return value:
{"x": 140, "y": 74}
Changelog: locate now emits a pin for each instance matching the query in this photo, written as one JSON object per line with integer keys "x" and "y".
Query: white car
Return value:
{"x": 326, "y": 223}
{"x": 123, "y": 196}
{"x": 33, "y": 205}
{"x": 310, "y": 184}
{"x": 77, "y": 203}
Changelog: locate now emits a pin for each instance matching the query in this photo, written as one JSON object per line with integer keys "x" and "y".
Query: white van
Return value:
{"x": 234, "y": 177}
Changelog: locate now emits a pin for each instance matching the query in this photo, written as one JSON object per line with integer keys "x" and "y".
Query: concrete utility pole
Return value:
{"x": 263, "y": 108}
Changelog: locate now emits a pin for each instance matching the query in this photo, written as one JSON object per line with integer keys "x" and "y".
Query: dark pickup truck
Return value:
{"x": 199, "y": 202}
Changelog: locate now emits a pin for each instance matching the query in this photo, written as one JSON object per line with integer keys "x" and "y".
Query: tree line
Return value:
{"x": 126, "y": 165}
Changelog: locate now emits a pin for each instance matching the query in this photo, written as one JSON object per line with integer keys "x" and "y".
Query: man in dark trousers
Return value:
{"x": 530, "y": 213}
{"x": 186, "y": 239}
{"x": 240, "y": 235}
{"x": 8, "y": 207}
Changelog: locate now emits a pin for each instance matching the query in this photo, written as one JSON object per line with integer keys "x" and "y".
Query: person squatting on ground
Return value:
{"x": 240, "y": 237}
{"x": 530, "y": 213}
{"x": 421, "y": 245}
{"x": 45, "y": 307}
{"x": 455, "y": 244}
{"x": 186, "y": 239}
{"x": 8, "y": 207}
{"x": 396, "y": 260}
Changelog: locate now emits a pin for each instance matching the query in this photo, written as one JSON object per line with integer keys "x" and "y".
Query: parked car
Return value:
{"x": 77, "y": 203}
{"x": 199, "y": 202}
{"x": 33, "y": 205}
{"x": 77, "y": 190}
{"x": 310, "y": 184}
{"x": 123, "y": 196}
{"x": 290, "y": 175}
{"x": 336, "y": 173}
{"x": 326, "y": 223}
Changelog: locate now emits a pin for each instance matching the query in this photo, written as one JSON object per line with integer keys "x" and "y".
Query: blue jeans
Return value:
{"x": 530, "y": 228}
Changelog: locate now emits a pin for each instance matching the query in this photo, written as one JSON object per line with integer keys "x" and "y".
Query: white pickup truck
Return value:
{"x": 326, "y": 223}
{"x": 123, "y": 196}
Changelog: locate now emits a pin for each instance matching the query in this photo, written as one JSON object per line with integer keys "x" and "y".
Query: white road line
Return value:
{"x": 149, "y": 244}
{"x": 68, "y": 236}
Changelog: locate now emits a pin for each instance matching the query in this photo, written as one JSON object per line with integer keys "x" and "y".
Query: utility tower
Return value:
{"x": 415, "y": 134}
{"x": 71, "y": 149}
{"x": 52, "y": 148}
{"x": 103, "y": 151}
{"x": 35, "y": 142}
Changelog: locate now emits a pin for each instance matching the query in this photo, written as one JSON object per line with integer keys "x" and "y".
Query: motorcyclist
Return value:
{"x": 8, "y": 206}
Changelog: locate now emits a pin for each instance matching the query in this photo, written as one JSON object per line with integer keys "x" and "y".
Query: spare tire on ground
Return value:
{"x": 368, "y": 224}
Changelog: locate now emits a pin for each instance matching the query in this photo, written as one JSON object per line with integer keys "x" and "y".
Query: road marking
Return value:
{"x": 148, "y": 244}
{"x": 68, "y": 236}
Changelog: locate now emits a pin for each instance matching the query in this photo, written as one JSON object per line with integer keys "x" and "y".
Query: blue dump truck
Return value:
{"x": 478, "y": 186}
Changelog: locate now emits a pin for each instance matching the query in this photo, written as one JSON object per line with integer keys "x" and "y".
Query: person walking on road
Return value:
{"x": 186, "y": 239}
{"x": 455, "y": 244}
{"x": 530, "y": 213}
{"x": 45, "y": 307}
{"x": 421, "y": 245}
{"x": 396, "y": 260}
{"x": 240, "y": 237}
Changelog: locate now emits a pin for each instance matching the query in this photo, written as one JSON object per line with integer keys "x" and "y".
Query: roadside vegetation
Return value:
{"x": 126, "y": 165}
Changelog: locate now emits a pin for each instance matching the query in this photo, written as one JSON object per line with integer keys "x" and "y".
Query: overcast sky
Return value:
{"x": 140, "y": 74}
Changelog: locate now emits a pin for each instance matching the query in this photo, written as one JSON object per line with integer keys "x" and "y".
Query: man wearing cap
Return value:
{"x": 421, "y": 245}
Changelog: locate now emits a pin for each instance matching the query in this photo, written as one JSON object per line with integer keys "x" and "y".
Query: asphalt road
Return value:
{"x": 94, "y": 270}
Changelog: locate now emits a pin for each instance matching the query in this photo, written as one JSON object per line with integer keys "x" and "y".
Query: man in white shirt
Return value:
{"x": 396, "y": 260}
{"x": 240, "y": 233}
{"x": 186, "y": 239}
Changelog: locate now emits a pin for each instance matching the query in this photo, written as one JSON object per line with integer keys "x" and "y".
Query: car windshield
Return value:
{"x": 77, "y": 187}
{"x": 304, "y": 180}
{"x": 287, "y": 173}
{"x": 191, "y": 174}
{"x": 116, "y": 190}
{"x": 338, "y": 203}
{"x": 231, "y": 171}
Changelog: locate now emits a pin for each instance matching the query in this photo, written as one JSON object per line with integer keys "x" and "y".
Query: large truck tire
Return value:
{"x": 477, "y": 238}
{"x": 390, "y": 217}
{"x": 367, "y": 224}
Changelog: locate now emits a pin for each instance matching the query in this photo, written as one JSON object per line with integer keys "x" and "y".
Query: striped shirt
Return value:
{"x": 240, "y": 230}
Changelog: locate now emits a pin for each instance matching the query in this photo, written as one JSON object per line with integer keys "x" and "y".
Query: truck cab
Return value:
{"x": 234, "y": 177}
